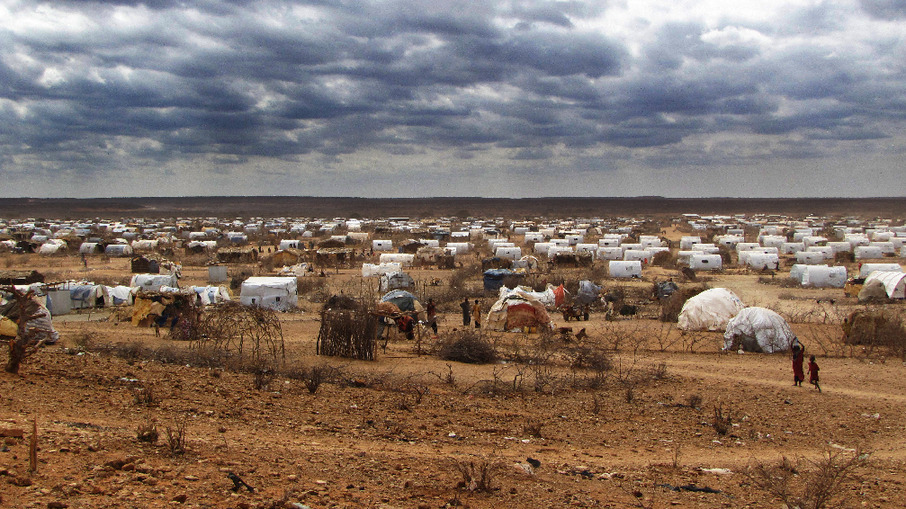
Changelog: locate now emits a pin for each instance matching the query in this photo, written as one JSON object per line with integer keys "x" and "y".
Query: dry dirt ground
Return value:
{"x": 400, "y": 431}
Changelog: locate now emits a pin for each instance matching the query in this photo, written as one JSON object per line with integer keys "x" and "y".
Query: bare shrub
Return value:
{"x": 176, "y": 437}
{"x": 810, "y": 484}
{"x": 313, "y": 376}
{"x": 147, "y": 432}
{"x": 144, "y": 396}
{"x": 348, "y": 333}
{"x": 876, "y": 328}
{"x": 466, "y": 346}
{"x": 664, "y": 259}
{"x": 721, "y": 421}
{"x": 532, "y": 428}
{"x": 314, "y": 289}
{"x": 694, "y": 401}
{"x": 477, "y": 475}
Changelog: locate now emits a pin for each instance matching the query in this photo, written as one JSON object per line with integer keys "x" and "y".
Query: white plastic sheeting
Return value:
{"x": 710, "y": 310}
{"x": 758, "y": 329}
{"x": 270, "y": 292}
{"x": 894, "y": 283}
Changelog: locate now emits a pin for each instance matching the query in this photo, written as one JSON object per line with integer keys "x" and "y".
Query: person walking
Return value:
{"x": 813, "y": 372}
{"x": 466, "y": 312}
{"x": 476, "y": 314}
{"x": 798, "y": 360}
{"x": 431, "y": 312}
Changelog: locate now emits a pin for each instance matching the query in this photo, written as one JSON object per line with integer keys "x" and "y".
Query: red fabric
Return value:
{"x": 559, "y": 295}
{"x": 812, "y": 371}
{"x": 798, "y": 360}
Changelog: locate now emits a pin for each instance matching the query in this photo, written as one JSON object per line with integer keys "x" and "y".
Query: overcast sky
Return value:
{"x": 680, "y": 98}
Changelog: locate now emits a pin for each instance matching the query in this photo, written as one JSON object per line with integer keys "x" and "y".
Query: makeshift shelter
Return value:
{"x": 822, "y": 276}
{"x": 494, "y": 278}
{"x": 867, "y": 268}
{"x": 396, "y": 281}
{"x": 552, "y": 297}
{"x": 403, "y": 300}
{"x": 709, "y": 310}
{"x": 118, "y": 250}
{"x": 372, "y": 270}
{"x": 517, "y": 310}
{"x": 588, "y": 293}
{"x": 41, "y": 326}
{"x": 894, "y": 283}
{"x": 758, "y": 329}
{"x": 144, "y": 265}
{"x": 278, "y": 293}
{"x": 88, "y": 295}
{"x": 208, "y": 295}
{"x": 153, "y": 282}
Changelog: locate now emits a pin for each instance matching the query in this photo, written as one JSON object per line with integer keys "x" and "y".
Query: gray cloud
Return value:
{"x": 389, "y": 86}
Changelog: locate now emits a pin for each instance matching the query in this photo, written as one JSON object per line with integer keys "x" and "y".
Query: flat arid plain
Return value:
{"x": 634, "y": 413}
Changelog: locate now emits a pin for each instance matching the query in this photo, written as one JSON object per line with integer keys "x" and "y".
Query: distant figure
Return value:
{"x": 813, "y": 372}
{"x": 466, "y": 316}
{"x": 406, "y": 325}
{"x": 476, "y": 314}
{"x": 431, "y": 312}
{"x": 798, "y": 360}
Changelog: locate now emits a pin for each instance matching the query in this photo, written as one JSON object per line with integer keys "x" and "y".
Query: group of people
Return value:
{"x": 798, "y": 366}
{"x": 470, "y": 312}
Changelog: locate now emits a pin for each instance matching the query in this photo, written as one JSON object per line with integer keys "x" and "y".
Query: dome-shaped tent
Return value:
{"x": 709, "y": 310}
{"x": 516, "y": 309}
{"x": 758, "y": 329}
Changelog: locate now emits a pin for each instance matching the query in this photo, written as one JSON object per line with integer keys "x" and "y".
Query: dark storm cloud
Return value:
{"x": 164, "y": 80}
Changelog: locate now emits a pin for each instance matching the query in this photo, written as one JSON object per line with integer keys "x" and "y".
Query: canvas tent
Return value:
{"x": 403, "y": 300}
{"x": 758, "y": 329}
{"x": 515, "y": 310}
{"x": 277, "y": 293}
{"x": 894, "y": 283}
{"x": 588, "y": 292}
{"x": 709, "y": 310}
{"x": 395, "y": 281}
{"x": 152, "y": 282}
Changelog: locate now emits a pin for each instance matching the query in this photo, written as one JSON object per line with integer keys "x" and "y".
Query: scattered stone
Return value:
{"x": 56, "y": 504}
{"x": 181, "y": 498}
{"x": 12, "y": 432}
{"x": 190, "y": 478}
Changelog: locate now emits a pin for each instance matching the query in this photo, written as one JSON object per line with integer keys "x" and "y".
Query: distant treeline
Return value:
{"x": 516, "y": 208}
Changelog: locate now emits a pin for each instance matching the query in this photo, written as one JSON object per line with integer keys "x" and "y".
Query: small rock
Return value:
{"x": 56, "y": 504}
{"x": 190, "y": 478}
{"x": 181, "y": 498}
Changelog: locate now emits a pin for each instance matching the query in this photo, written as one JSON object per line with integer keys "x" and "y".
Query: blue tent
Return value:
{"x": 401, "y": 298}
{"x": 493, "y": 278}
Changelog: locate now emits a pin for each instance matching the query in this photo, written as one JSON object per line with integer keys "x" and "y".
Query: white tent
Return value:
{"x": 405, "y": 260}
{"x": 758, "y": 330}
{"x": 894, "y": 283}
{"x": 621, "y": 268}
{"x": 210, "y": 294}
{"x": 704, "y": 261}
{"x": 374, "y": 270}
{"x": 271, "y": 292}
{"x": 867, "y": 268}
{"x": 822, "y": 276}
{"x": 153, "y": 282}
{"x": 709, "y": 310}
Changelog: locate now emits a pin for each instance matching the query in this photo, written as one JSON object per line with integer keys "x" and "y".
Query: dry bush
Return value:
{"x": 532, "y": 428}
{"x": 477, "y": 475}
{"x": 664, "y": 259}
{"x": 844, "y": 257}
{"x": 672, "y": 305}
{"x": 877, "y": 328}
{"x": 314, "y": 289}
{"x": 811, "y": 484}
{"x": 176, "y": 437}
{"x": 147, "y": 432}
{"x": 722, "y": 422}
{"x": 466, "y": 346}
{"x": 144, "y": 396}
{"x": 313, "y": 376}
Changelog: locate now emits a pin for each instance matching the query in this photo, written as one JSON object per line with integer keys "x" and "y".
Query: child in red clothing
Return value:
{"x": 798, "y": 374}
{"x": 813, "y": 372}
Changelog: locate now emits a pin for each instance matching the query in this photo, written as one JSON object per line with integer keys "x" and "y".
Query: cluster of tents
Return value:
{"x": 751, "y": 329}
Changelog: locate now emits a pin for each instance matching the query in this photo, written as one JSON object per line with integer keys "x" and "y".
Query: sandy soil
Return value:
{"x": 395, "y": 432}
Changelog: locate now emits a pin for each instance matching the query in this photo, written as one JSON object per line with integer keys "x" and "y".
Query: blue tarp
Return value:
{"x": 493, "y": 278}
{"x": 401, "y": 298}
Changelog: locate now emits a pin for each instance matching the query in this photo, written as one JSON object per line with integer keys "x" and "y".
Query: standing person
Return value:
{"x": 464, "y": 305}
{"x": 431, "y": 312}
{"x": 798, "y": 359}
{"x": 813, "y": 372}
{"x": 476, "y": 314}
